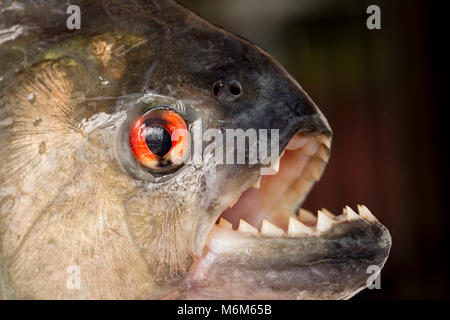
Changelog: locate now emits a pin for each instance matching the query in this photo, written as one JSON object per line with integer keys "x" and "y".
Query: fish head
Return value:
{"x": 90, "y": 181}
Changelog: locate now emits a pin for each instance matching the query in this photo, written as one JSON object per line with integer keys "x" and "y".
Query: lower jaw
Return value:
{"x": 241, "y": 265}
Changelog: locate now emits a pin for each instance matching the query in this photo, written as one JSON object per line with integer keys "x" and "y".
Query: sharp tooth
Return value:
{"x": 297, "y": 142}
{"x": 366, "y": 214}
{"x": 323, "y": 153}
{"x": 311, "y": 148}
{"x": 328, "y": 213}
{"x": 302, "y": 185}
{"x": 325, "y": 141}
{"x": 296, "y": 228}
{"x": 276, "y": 166}
{"x": 269, "y": 229}
{"x": 315, "y": 170}
{"x": 233, "y": 203}
{"x": 246, "y": 227}
{"x": 273, "y": 169}
{"x": 257, "y": 184}
{"x": 223, "y": 223}
{"x": 350, "y": 214}
{"x": 323, "y": 222}
{"x": 306, "y": 217}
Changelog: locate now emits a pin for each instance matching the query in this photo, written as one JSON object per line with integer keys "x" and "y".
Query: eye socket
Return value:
{"x": 159, "y": 140}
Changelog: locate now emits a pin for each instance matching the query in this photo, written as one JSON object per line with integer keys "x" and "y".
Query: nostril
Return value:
{"x": 217, "y": 86}
{"x": 229, "y": 92}
{"x": 235, "y": 88}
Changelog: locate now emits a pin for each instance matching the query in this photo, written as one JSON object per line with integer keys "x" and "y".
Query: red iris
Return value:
{"x": 159, "y": 139}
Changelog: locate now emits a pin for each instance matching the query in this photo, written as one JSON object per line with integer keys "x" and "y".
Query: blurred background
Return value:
{"x": 380, "y": 90}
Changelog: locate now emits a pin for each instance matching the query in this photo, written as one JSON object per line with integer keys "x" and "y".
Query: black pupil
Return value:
{"x": 158, "y": 140}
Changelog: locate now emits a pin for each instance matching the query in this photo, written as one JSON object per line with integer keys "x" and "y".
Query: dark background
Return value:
{"x": 383, "y": 93}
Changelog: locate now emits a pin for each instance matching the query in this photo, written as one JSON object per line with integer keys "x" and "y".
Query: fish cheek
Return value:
{"x": 160, "y": 224}
{"x": 65, "y": 200}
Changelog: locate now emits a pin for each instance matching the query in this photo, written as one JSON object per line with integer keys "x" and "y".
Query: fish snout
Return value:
{"x": 302, "y": 116}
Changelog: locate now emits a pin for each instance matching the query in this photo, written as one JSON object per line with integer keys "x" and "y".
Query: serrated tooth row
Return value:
{"x": 324, "y": 221}
{"x": 364, "y": 213}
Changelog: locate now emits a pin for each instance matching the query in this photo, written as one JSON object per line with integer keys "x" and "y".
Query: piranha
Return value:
{"x": 96, "y": 199}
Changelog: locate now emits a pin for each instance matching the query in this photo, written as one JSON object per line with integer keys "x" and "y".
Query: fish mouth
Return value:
{"x": 271, "y": 205}
{"x": 266, "y": 240}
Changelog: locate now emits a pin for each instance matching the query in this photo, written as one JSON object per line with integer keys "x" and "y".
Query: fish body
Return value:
{"x": 97, "y": 203}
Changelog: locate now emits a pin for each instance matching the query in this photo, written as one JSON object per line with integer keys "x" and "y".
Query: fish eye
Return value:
{"x": 232, "y": 92}
{"x": 159, "y": 140}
